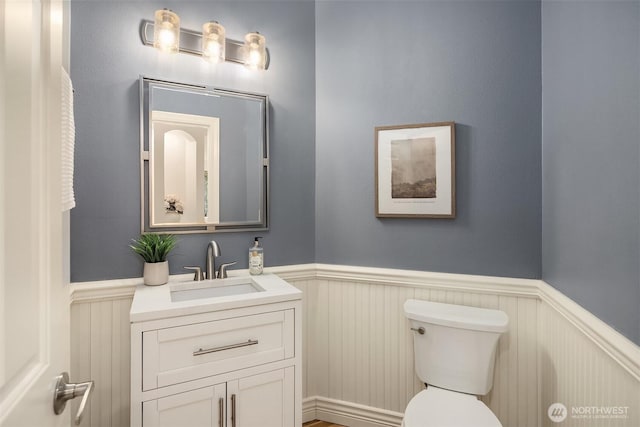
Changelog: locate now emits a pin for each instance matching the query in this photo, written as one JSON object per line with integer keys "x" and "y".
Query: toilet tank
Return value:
{"x": 457, "y": 350}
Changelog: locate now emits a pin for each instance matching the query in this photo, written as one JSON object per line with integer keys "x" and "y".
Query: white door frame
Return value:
{"x": 210, "y": 161}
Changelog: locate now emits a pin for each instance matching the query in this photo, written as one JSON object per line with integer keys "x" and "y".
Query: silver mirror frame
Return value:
{"x": 261, "y": 225}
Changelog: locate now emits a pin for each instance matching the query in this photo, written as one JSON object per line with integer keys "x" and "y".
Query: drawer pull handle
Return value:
{"x": 200, "y": 352}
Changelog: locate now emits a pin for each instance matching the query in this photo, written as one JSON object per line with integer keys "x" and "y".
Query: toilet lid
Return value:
{"x": 436, "y": 407}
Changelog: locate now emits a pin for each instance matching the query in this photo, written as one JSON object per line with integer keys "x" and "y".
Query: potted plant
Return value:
{"x": 154, "y": 248}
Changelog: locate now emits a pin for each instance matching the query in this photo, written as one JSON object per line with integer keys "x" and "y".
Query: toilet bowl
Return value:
{"x": 436, "y": 407}
{"x": 454, "y": 352}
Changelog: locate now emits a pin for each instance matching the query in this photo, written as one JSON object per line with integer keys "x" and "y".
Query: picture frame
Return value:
{"x": 415, "y": 171}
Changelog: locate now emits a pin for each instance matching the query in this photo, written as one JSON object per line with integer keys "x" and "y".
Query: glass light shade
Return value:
{"x": 166, "y": 31}
{"x": 213, "y": 42}
{"x": 255, "y": 51}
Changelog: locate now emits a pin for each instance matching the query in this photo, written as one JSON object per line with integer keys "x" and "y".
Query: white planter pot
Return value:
{"x": 156, "y": 273}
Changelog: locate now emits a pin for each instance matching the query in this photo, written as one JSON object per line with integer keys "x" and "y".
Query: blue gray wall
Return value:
{"x": 389, "y": 63}
{"x": 107, "y": 57}
{"x": 591, "y": 157}
{"x": 559, "y": 88}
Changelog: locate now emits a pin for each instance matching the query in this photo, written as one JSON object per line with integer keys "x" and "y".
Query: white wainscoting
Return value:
{"x": 358, "y": 355}
{"x": 100, "y": 349}
{"x": 586, "y": 366}
{"x": 360, "y": 350}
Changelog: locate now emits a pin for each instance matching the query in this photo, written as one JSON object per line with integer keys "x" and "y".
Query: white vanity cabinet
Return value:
{"x": 229, "y": 367}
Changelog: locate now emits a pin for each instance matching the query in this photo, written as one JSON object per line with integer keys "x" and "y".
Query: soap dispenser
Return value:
{"x": 256, "y": 258}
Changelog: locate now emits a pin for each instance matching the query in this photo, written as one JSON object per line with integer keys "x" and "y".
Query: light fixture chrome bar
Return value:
{"x": 191, "y": 43}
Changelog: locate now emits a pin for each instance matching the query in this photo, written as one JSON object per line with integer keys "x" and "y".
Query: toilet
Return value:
{"x": 454, "y": 349}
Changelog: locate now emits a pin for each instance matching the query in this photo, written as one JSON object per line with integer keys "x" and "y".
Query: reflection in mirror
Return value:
{"x": 204, "y": 155}
{"x": 184, "y": 169}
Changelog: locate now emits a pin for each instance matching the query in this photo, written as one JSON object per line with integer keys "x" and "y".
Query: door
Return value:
{"x": 203, "y": 407}
{"x": 34, "y": 296}
{"x": 265, "y": 400}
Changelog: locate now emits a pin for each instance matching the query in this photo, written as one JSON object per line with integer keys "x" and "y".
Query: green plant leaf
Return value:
{"x": 154, "y": 247}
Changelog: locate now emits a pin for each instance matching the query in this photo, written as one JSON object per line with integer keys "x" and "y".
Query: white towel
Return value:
{"x": 68, "y": 142}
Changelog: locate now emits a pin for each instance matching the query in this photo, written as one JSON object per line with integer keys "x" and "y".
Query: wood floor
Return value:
{"x": 316, "y": 423}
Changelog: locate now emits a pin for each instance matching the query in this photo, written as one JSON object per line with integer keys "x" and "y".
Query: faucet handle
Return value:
{"x": 222, "y": 270}
{"x": 198, "y": 276}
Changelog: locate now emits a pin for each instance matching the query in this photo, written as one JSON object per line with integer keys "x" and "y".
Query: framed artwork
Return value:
{"x": 415, "y": 171}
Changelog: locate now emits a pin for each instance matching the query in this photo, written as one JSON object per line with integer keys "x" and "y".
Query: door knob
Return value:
{"x": 66, "y": 391}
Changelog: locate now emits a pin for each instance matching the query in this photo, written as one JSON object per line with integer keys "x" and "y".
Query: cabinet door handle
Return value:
{"x": 233, "y": 410}
{"x": 221, "y": 412}
{"x": 201, "y": 351}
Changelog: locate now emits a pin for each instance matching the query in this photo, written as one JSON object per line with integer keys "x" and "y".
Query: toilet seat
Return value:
{"x": 436, "y": 407}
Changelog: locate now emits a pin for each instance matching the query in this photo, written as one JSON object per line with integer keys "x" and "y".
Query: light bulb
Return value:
{"x": 213, "y": 42}
{"x": 166, "y": 38}
{"x": 166, "y": 31}
{"x": 254, "y": 59}
{"x": 255, "y": 51}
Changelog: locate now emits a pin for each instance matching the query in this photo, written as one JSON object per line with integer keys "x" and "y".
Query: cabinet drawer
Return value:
{"x": 185, "y": 353}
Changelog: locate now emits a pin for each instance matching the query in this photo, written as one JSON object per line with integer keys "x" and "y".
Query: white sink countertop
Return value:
{"x": 155, "y": 302}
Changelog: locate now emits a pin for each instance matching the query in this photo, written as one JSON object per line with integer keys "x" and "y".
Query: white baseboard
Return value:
{"x": 308, "y": 409}
{"x": 347, "y": 413}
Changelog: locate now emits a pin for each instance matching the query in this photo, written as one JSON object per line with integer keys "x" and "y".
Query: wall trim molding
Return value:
{"x": 615, "y": 345}
{"x": 622, "y": 350}
{"x": 432, "y": 280}
{"x": 103, "y": 290}
{"x": 293, "y": 272}
{"x": 347, "y": 413}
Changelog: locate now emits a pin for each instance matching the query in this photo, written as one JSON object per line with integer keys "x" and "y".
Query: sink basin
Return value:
{"x": 214, "y": 289}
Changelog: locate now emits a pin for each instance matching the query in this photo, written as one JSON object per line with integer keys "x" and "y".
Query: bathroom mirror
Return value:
{"x": 204, "y": 158}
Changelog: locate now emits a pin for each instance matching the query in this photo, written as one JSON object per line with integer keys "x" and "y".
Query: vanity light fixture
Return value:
{"x": 211, "y": 44}
{"x": 255, "y": 51}
{"x": 166, "y": 31}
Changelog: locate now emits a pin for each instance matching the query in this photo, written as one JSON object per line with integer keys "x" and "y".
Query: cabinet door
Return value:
{"x": 203, "y": 407}
{"x": 264, "y": 400}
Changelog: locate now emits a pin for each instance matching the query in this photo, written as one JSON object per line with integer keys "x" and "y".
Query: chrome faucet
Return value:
{"x": 213, "y": 251}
